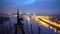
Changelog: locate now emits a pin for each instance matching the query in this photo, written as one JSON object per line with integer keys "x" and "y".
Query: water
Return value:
{"x": 30, "y": 27}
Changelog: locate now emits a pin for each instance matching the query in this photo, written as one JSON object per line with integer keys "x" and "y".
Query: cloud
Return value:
{"x": 18, "y": 2}
{"x": 48, "y": 0}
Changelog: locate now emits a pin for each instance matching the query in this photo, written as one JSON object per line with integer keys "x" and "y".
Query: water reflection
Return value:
{"x": 5, "y": 25}
{"x": 47, "y": 22}
{"x": 35, "y": 19}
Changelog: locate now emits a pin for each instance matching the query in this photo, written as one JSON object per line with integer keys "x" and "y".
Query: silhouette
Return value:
{"x": 19, "y": 24}
{"x": 39, "y": 30}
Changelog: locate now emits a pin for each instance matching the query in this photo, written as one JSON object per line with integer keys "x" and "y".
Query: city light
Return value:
{"x": 28, "y": 19}
{"x": 28, "y": 13}
{"x": 9, "y": 14}
{"x": 40, "y": 22}
{"x": 54, "y": 29}
{"x": 51, "y": 27}
{"x": 59, "y": 32}
{"x": 20, "y": 12}
{"x": 50, "y": 22}
{"x": 43, "y": 20}
{"x": 15, "y": 15}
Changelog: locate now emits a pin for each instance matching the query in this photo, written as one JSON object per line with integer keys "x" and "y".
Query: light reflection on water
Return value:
{"x": 45, "y": 24}
{"x": 40, "y": 22}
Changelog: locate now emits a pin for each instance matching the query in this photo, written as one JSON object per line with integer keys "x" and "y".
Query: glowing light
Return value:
{"x": 41, "y": 22}
{"x": 28, "y": 13}
{"x": 55, "y": 30}
{"x": 26, "y": 16}
{"x": 46, "y": 19}
{"x": 44, "y": 24}
{"x": 28, "y": 19}
{"x": 58, "y": 31}
{"x": 9, "y": 14}
{"x": 50, "y": 22}
{"x": 50, "y": 27}
{"x": 20, "y": 13}
{"x": 15, "y": 15}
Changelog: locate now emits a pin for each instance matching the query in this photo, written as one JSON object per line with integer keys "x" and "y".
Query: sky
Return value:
{"x": 32, "y": 6}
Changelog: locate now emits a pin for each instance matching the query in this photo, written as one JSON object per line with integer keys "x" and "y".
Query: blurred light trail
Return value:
{"x": 45, "y": 21}
{"x": 50, "y": 22}
{"x": 39, "y": 21}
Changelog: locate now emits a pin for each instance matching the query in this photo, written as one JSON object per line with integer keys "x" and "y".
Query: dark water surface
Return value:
{"x": 30, "y": 26}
